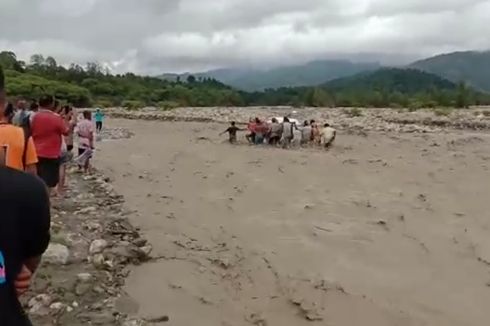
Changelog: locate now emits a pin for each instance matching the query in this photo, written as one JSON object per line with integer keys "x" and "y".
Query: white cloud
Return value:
{"x": 154, "y": 36}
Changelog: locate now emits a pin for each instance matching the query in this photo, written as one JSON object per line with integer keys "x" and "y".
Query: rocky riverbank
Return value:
{"x": 80, "y": 280}
{"x": 389, "y": 120}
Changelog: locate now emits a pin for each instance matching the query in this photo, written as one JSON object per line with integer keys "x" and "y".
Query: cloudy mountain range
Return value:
{"x": 471, "y": 67}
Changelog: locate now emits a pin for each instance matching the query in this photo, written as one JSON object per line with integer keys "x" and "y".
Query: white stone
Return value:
{"x": 57, "y": 306}
{"x": 147, "y": 250}
{"x": 56, "y": 254}
{"x": 42, "y": 299}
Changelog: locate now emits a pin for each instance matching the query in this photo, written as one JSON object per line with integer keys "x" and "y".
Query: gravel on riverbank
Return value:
{"x": 354, "y": 119}
{"x": 92, "y": 244}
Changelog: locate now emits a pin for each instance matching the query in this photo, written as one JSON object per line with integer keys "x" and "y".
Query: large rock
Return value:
{"x": 131, "y": 252}
{"x": 56, "y": 254}
{"x": 98, "y": 260}
{"x": 98, "y": 246}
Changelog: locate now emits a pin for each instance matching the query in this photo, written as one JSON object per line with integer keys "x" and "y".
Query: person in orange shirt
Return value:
{"x": 16, "y": 151}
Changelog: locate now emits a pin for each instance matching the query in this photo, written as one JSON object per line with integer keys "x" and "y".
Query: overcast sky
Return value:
{"x": 155, "y": 36}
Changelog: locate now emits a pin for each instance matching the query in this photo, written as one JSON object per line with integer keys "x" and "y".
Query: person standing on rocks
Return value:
{"x": 21, "y": 113}
{"x": 33, "y": 109}
{"x": 47, "y": 129}
{"x": 99, "y": 120}
{"x": 85, "y": 141}
{"x": 24, "y": 235}
{"x": 71, "y": 117}
{"x": 67, "y": 146}
{"x": 16, "y": 147}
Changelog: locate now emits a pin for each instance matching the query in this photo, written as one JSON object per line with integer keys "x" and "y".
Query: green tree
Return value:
{"x": 317, "y": 97}
{"x": 8, "y": 60}
{"x": 37, "y": 60}
{"x": 462, "y": 99}
{"x": 51, "y": 62}
{"x": 93, "y": 68}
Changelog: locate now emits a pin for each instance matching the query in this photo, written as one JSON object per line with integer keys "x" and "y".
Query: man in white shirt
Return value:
{"x": 327, "y": 135}
{"x": 287, "y": 133}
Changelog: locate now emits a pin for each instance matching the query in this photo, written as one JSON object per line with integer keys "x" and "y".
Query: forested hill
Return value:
{"x": 471, "y": 67}
{"x": 405, "y": 81}
{"x": 93, "y": 85}
{"x": 387, "y": 87}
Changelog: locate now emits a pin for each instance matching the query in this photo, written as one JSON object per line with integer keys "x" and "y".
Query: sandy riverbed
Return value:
{"x": 384, "y": 230}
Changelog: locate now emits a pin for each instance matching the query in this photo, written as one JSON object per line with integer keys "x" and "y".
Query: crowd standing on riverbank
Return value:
{"x": 284, "y": 132}
{"x": 37, "y": 139}
{"x": 43, "y": 140}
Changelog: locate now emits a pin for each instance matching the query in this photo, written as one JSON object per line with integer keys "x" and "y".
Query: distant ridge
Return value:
{"x": 309, "y": 74}
{"x": 472, "y": 67}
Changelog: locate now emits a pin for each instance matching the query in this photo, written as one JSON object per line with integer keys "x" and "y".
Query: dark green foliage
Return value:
{"x": 2, "y": 79}
{"x": 33, "y": 86}
{"x": 387, "y": 87}
{"x": 463, "y": 96}
{"x": 8, "y": 60}
{"x": 392, "y": 80}
{"x": 92, "y": 84}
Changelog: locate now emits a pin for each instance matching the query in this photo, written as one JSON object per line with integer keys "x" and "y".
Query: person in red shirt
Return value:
{"x": 47, "y": 129}
{"x": 251, "y": 128}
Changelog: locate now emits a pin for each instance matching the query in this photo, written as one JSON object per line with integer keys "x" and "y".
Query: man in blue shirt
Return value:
{"x": 99, "y": 119}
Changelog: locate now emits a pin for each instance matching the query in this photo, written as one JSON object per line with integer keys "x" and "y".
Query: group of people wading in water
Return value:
{"x": 284, "y": 133}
